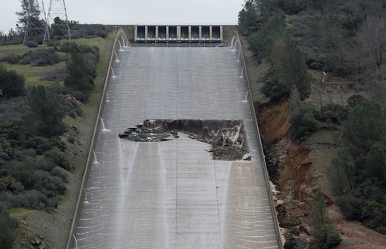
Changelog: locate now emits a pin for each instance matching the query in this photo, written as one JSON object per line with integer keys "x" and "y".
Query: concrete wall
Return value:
{"x": 260, "y": 146}
{"x": 120, "y": 37}
{"x": 176, "y": 33}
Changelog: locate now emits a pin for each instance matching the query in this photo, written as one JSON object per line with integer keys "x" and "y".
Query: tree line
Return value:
{"x": 345, "y": 38}
{"x": 30, "y": 16}
{"x": 33, "y": 165}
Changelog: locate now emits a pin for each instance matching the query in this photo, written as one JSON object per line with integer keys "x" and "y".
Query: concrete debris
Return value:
{"x": 140, "y": 134}
{"x": 226, "y": 152}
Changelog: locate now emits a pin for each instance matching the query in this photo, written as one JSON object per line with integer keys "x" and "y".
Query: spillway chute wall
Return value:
{"x": 259, "y": 145}
{"x": 119, "y": 39}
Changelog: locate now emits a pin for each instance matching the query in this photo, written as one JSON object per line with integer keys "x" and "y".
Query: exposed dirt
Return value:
{"x": 273, "y": 119}
{"x": 298, "y": 169}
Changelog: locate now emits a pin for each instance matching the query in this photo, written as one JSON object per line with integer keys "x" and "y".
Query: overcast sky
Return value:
{"x": 136, "y": 11}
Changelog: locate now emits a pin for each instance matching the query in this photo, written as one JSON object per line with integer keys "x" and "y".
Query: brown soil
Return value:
{"x": 301, "y": 170}
{"x": 301, "y": 167}
{"x": 273, "y": 119}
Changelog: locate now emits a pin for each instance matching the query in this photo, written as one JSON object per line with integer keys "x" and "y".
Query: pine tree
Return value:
{"x": 322, "y": 227}
{"x": 80, "y": 76}
{"x": 45, "y": 113}
{"x": 341, "y": 172}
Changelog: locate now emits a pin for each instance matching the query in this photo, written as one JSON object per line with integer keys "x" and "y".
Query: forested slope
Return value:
{"x": 326, "y": 62}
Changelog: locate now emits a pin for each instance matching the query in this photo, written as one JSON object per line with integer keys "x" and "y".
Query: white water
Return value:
{"x": 231, "y": 44}
{"x": 120, "y": 46}
{"x": 172, "y": 194}
{"x": 116, "y": 57}
{"x": 112, "y": 71}
{"x": 103, "y": 126}
{"x": 235, "y": 46}
{"x": 85, "y": 196}
{"x": 76, "y": 242}
{"x": 123, "y": 42}
{"x": 246, "y": 97}
{"x": 95, "y": 158}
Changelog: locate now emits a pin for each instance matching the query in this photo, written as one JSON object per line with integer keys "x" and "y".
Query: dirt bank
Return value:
{"x": 298, "y": 169}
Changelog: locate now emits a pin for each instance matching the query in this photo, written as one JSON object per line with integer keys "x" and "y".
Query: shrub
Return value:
{"x": 46, "y": 164}
{"x": 55, "y": 88}
{"x": 51, "y": 43}
{"x": 71, "y": 140}
{"x": 59, "y": 173}
{"x": 303, "y": 121}
{"x": 31, "y": 44}
{"x": 355, "y": 100}
{"x": 11, "y": 83}
{"x": 80, "y": 96}
{"x": 33, "y": 199}
{"x": 23, "y": 173}
{"x": 56, "y": 75}
{"x": 8, "y": 227}
{"x": 350, "y": 206}
{"x": 12, "y": 59}
{"x": 9, "y": 183}
{"x": 72, "y": 114}
{"x": 59, "y": 158}
{"x": 65, "y": 47}
{"x": 42, "y": 57}
{"x": 374, "y": 215}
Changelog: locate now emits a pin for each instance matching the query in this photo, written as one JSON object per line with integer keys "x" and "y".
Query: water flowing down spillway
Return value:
{"x": 172, "y": 194}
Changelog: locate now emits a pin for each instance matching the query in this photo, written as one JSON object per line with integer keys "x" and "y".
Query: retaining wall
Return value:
{"x": 260, "y": 146}
{"x": 118, "y": 38}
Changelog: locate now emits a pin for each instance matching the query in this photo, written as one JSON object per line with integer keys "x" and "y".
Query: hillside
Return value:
{"x": 49, "y": 228}
{"x": 300, "y": 165}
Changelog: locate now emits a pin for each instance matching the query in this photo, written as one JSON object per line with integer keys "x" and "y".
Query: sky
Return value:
{"x": 135, "y": 12}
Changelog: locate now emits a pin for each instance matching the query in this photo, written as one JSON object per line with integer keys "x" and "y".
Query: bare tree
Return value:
{"x": 374, "y": 35}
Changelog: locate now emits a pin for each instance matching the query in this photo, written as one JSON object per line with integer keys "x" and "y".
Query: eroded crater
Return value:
{"x": 226, "y": 136}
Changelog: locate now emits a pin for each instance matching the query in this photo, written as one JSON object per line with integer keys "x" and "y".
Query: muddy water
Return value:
{"x": 172, "y": 194}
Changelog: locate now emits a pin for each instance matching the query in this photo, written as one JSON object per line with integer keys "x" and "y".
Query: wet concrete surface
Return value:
{"x": 172, "y": 194}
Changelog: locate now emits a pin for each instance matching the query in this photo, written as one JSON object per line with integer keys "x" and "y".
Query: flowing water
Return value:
{"x": 172, "y": 194}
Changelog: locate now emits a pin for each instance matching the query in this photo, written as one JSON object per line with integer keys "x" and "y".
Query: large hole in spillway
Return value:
{"x": 227, "y": 137}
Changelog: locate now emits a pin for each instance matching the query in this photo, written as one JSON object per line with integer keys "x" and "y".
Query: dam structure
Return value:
{"x": 173, "y": 194}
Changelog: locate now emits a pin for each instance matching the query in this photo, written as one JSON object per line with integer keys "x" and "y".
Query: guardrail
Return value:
{"x": 260, "y": 146}
{"x": 120, "y": 36}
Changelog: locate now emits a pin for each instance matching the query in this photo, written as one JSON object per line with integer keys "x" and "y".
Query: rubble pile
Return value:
{"x": 141, "y": 134}
{"x": 221, "y": 149}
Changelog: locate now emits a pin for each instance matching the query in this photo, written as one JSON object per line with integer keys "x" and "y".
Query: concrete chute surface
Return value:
{"x": 173, "y": 194}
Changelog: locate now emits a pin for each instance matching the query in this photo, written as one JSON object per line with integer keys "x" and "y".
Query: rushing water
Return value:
{"x": 172, "y": 194}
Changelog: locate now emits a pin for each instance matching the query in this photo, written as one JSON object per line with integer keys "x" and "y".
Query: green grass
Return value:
{"x": 325, "y": 137}
{"x": 17, "y": 212}
{"x": 64, "y": 197}
{"x": 33, "y": 74}
{"x": 17, "y": 49}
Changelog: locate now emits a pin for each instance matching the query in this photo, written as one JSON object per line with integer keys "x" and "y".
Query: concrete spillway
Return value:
{"x": 172, "y": 194}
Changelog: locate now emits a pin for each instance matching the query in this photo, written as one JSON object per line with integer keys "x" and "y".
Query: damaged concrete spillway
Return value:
{"x": 173, "y": 194}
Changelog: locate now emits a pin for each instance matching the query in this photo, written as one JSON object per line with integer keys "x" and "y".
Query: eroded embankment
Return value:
{"x": 288, "y": 168}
